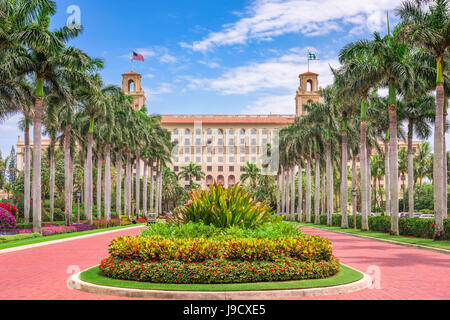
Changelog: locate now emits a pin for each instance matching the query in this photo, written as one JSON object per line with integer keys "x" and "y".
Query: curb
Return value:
{"x": 76, "y": 283}
{"x": 440, "y": 250}
{"x": 46, "y": 243}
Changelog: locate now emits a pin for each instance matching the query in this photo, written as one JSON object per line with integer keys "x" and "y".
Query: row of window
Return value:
{"x": 218, "y": 150}
{"x": 219, "y": 131}
{"x": 219, "y": 159}
{"x": 220, "y": 142}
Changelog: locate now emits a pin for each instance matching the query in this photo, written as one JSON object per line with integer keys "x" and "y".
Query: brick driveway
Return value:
{"x": 406, "y": 273}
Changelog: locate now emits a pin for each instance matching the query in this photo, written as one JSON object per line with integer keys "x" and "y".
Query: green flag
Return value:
{"x": 312, "y": 56}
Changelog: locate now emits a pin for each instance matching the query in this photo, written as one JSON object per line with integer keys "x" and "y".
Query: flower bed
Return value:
{"x": 217, "y": 271}
{"x": 7, "y": 220}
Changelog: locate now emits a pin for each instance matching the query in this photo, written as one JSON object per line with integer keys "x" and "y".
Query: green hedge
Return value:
{"x": 16, "y": 237}
{"x": 305, "y": 248}
{"x": 217, "y": 271}
{"x": 411, "y": 227}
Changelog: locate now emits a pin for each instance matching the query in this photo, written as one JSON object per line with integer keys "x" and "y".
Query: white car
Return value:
{"x": 427, "y": 216}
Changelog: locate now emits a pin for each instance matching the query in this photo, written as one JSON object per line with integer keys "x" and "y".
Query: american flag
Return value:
{"x": 138, "y": 57}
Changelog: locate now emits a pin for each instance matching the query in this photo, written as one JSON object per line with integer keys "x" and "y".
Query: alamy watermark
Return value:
{"x": 74, "y": 20}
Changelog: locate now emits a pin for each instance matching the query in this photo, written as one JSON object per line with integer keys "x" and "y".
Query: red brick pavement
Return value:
{"x": 406, "y": 273}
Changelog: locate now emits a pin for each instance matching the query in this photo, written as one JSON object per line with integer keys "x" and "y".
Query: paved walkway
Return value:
{"x": 405, "y": 273}
{"x": 41, "y": 273}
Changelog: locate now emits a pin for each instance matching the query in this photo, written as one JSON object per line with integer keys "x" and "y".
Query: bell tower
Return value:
{"x": 307, "y": 92}
{"x": 131, "y": 85}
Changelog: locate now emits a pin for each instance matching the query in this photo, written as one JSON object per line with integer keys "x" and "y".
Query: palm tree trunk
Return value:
{"x": 70, "y": 187}
{"x": 157, "y": 190}
{"x": 329, "y": 184}
{"x": 89, "y": 186}
{"x": 86, "y": 189}
{"x": 410, "y": 170}
{"x": 129, "y": 184}
{"x": 138, "y": 184}
{"x": 308, "y": 189}
{"x": 144, "y": 191}
{"x": 283, "y": 194}
{"x": 52, "y": 182}
{"x": 439, "y": 161}
{"x": 393, "y": 161}
{"x": 344, "y": 179}
{"x": 317, "y": 190}
{"x": 119, "y": 185}
{"x": 300, "y": 192}
{"x": 293, "y": 193}
{"x": 152, "y": 187}
{"x": 108, "y": 182}
{"x": 323, "y": 200}
{"x": 387, "y": 178}
{"x": 99, "y": 186}
{"x": 278, "y": 195}
{"x": 445, "y": 209}
{"x": 363, "y": 168}
{"x": 27, "y": 184}
{"x": 369, "y": 180}
{"x": 67, "y": 174}
{"x": 354, "y": 200}
{"x": 287, "y": 182}
{"x": 37, "y": 152}
{"x": 160, "y": 190}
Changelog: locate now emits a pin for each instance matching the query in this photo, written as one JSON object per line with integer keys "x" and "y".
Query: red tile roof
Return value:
{"x": 309, "y": 74}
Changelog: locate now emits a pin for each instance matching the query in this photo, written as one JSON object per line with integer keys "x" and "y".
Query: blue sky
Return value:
{"x": 220, "y": 56}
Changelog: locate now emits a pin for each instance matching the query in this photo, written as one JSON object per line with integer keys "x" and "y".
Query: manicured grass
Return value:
{"x": 378, "y": 235}
{"x": 24, "y": 242}
{"x": 344, "y": 276}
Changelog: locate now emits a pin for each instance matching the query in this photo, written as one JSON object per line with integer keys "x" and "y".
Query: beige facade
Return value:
{"x": 131, "y": 85}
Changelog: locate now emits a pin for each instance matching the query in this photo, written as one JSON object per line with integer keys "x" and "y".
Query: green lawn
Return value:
{"x": 345, "y": 275}
{"x": 24, "y": 242}
{"x": 378, "y": 235}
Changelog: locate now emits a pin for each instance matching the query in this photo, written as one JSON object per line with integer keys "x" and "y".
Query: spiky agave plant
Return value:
{"x": 224, "y": 207}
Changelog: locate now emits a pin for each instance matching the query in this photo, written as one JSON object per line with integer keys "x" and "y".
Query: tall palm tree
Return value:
{"x": 428, "y": 27}
{"x": 251, "y": 172}
{"x": 190, "y": 172}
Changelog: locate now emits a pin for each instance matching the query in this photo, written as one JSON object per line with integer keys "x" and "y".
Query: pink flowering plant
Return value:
{"x": 7, "y": 220}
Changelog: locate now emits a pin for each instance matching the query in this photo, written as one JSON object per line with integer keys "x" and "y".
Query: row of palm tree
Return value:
{"x": 58, "y": 87}
{"x": 411, "y": 62}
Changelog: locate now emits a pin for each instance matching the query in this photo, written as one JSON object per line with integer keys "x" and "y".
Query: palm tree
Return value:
{"x": 429, "y": 28}
{"x": 419, "y": 113}
{"x": 403, "y": 171}
{"x": 251, "y": 172}
{"x": 190, "y": 172}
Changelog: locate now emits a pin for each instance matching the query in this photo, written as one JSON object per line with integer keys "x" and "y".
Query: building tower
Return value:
{"x": 308, "y": 91}
{"x": 131, "y": 85}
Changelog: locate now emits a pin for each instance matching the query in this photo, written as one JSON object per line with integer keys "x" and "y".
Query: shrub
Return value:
{"x": 50, "y": 231}
{"x": 103, "y": 224}
{"x": 23, "y": 236}
{"x": 9, "y": 207}
{"x": 83, "y": 227}
{"x": 224, "y": 207}
{"x": 217, "y": 271}
{"x": 311, "y": 248}
{"x": 7, "y": 220}
{"x": 197, "y": 230}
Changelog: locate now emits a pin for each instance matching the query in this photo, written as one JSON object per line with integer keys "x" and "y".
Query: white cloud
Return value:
{"x": 277, "y": 73}
{"x": 163, "y": 88}
{"x": 266, "y": 19}
{"x": 149, "y": 76}
{"x": 210, "y": 64}
{"x": 167, "y": 58}
{"x": 272, "y": 104}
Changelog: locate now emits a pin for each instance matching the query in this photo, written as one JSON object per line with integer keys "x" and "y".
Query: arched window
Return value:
{"x": 231, "y": 181}
{"x": 220, "y": 132}
{"x": 187, "y": 132}
{"x": 242, "y": 132}
{"x": 254, "y": 132}
{"x": 309, "y": 85}
{"x": 131, "y": 87}
{"x": 209, "y": 180}
{"x": 221, "y": 180}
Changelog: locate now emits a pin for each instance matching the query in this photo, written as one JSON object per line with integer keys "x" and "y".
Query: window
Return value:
{"x": 198, "y": 142}
{"x": 242, "y": 150}
{"x": 187, "y": 131}
{"x": 209, "y": 141}
{"x": 209, "y": 169}
{"x": 309, "y": 85}
{"x": 264, "y": 131}
{"x": 253, "y": 159}
{"x": 231, "y": 150}
{"x": 253, "y": 132}
{"x": 242, "y": 159}
{"x": 231, "y": 168}
{"x": 220, "y": 168}
{"x": 176, "y": 168}
{"x": 253, "y": 142}
{"x": 187, "y": 150}
{"x": 176, "y": 159}
{"x": 175, "y": 132}
{"x": 220, "y": 159}
{"x": 242, "y": 141}
{"x": 220, "y": 142}
{"x": 209, "y": 132}
{"x": 242, "y": 131}
{"x": 264, "y": 141}
{"x": 186, "y": 179}
{"x": 220, "y": 132}
{"x": 220, "y": 150}
{"x": 242, "y": 169}
{"x": 253, "y": 151}
{"x": 187, "y": 159}
{"x": 209, "y": 150}
{"x": 197, "y": 179}
{"x": 175, "y": 140}
{"x": 198, "y": 150}
{"x": 231, "y": 159}
{"x": 187, "y": 142}
{"x": 198, "y": 132}
{"x": 231, "y": 142}
{"x": 209, "y": 159}
{"x": 198, "y": 159}
{"x": 231, "y": 131}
